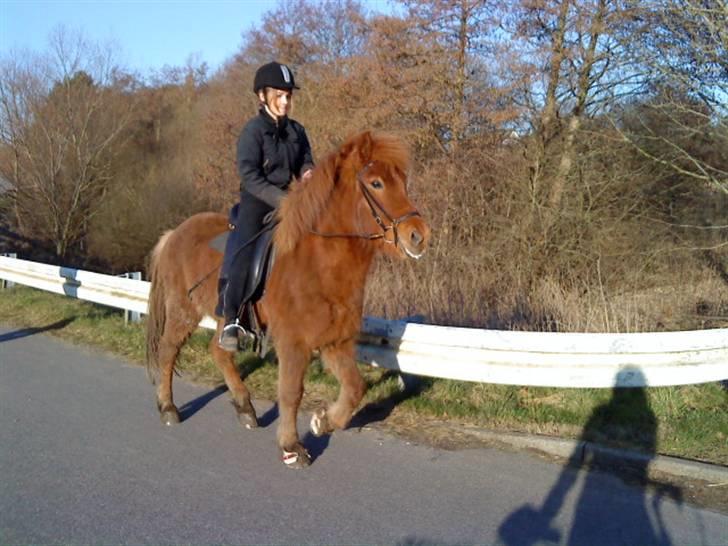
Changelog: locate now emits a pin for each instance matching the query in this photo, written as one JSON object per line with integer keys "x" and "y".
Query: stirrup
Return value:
{"x": 236, "y": 325}
{"x": 230, "y": 335}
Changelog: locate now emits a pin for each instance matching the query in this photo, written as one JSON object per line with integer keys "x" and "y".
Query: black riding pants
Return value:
{"x": 236, "y": 262}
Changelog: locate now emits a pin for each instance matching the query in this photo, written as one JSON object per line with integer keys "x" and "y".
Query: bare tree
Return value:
{"x": 64, "y": 117}
{"x": 681, "y": 46}
{"x": 434, "y": 68}
{"x": 572, "y": 69}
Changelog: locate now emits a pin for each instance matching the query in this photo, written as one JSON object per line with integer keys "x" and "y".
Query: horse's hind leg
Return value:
{"x": 238, "y": 391}
{"x": 292, "y": 363}
{"x": 340, "y": 360}
{"x": 176, "y": 331}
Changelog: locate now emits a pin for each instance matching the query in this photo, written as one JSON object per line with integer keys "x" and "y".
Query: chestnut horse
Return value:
{"x": 330, "y": 228}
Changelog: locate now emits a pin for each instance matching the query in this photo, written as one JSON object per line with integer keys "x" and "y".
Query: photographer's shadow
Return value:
{"x": 604, "y": 513}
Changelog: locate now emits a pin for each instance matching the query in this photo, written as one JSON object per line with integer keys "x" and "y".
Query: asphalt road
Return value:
{"x": 85, "y": 460}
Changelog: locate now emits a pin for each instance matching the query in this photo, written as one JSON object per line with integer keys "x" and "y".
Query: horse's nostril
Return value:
{"x": 416, "y": 237}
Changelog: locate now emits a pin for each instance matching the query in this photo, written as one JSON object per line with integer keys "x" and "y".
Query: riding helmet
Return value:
{"x": 275, "y": 75}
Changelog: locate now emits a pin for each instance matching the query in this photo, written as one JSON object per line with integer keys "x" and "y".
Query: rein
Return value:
{"x": 373, "y": 206}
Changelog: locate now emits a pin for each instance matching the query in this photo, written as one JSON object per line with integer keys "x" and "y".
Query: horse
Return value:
{"x": 330, "y": 228}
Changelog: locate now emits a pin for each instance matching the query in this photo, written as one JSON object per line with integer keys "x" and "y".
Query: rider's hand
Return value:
{"x": 307, "y": 175}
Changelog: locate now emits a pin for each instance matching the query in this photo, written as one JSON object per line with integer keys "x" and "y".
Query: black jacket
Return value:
{"x": 270, "y": 154}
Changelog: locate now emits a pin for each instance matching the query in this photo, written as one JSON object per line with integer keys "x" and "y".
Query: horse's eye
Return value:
{"x": 377, "y": 184}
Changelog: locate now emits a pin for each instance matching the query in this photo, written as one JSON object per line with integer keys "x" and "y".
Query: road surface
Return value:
{"x": 84, "y": 459}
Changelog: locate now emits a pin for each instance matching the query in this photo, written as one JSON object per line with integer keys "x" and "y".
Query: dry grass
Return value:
{"x": 621, "y": 254}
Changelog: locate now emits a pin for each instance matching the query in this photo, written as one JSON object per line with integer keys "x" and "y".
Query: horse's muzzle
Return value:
{"x": 414, "y": 234}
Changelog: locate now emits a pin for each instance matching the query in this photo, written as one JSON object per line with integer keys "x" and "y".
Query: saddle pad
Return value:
{"x": 219, "y": 242}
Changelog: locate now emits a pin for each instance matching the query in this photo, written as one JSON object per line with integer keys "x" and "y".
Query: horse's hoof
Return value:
{"x": 297, "y": 458}
{"x": 246, "y": 414}
{"x": 320, "y": 423}
{"x": 170, "y": 416}
{"x": 249, "y": 421}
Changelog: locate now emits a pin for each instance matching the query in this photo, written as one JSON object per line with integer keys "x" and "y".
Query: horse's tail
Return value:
{"x": 157, "y": 313}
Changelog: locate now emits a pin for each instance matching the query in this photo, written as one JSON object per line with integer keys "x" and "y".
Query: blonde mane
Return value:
{"x": 305, "y": 201}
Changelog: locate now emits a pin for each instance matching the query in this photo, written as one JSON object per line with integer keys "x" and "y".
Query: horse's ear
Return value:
{"x": 357, "y": 152}
{"x": 361, "y": 145}
{"x": 365, "y": 147}
{"x": 340, "y": 159}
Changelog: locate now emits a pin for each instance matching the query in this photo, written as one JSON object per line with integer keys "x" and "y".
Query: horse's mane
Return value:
{"x": 306, "y": 200}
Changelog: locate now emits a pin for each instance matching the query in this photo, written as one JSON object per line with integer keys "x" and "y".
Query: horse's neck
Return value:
{"x": 349, "y": 257}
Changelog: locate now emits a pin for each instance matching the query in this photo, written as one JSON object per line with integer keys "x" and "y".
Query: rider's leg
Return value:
{"x": 249, "y": 221}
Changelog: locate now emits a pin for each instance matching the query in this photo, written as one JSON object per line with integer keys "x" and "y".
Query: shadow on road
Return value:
{"x": 602, "y": 515}
{"x": 315, "y": 445}
{"x": 269, "y": 417}
{"x": 195, "y": 405}
{"x": 418, "y": 541}
{"x": 247, "y": 365}
{"x": 25, "y": 332}
{"x": 371, "y": 413}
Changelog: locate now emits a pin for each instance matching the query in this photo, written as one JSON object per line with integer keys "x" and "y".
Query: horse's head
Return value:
{"x": 359, "y": 191}
{"x": 376, "y": 165}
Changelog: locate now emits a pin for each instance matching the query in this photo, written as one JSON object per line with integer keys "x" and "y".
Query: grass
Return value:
{"x": 688, "y": 421}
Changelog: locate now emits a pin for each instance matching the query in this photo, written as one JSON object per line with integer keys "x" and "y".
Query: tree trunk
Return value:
{"x": 585, "y": 82}
{"x": 546, "y": 126}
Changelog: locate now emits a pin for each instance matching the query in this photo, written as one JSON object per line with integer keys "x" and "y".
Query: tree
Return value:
{"x": 435, "y": 69}
{"x": 573, "y": 66}
{"x": 64, "y": 117}
{"x": 681, "y": 46}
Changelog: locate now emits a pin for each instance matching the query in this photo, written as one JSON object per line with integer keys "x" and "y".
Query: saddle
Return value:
{"x": 259, "y": 269}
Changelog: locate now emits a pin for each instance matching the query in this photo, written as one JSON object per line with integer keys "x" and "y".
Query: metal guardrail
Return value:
{"x": 547, "y": 359}
{"x": 3, "y": 282}
{"x": 489, "y": 356}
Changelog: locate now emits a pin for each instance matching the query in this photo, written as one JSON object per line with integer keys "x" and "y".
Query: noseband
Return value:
{"x": 375, "y": 205}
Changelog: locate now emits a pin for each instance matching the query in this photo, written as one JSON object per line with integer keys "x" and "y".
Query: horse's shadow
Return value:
{"x": 25, "y": 332}
{"x": 269, "y": 417}
{"x": 371, "y": 413}
{"x": 380, "y": 410}
{"x": 193, "y": 406}
{"x": 248, "y": 365}
{"x": 316, "y": 445}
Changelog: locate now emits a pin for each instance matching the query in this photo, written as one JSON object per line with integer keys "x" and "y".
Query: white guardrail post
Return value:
{"x": 468, "y": 354}
{"x": 132, "y": 316}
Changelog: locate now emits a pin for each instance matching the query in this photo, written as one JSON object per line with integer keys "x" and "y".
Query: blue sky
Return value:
{"x": 149, "y": 34}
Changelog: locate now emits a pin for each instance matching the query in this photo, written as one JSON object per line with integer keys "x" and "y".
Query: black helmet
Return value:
{"x": 275, "y": 75}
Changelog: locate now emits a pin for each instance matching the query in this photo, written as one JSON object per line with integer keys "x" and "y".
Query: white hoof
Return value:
{"x": 317, "y": 422}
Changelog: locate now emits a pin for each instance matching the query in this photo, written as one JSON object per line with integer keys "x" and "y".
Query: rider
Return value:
{"x": 272, "y": 150}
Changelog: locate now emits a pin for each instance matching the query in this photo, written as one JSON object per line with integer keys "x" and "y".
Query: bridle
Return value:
{"x": 375, "y": 205}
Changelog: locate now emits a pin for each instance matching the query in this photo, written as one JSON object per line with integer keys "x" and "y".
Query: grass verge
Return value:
{"x": 688, "y": 421}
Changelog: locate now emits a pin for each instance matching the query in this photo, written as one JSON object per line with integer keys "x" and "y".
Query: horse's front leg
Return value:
{"x": 293, "y": 359}
{"x": 341, "y": 361}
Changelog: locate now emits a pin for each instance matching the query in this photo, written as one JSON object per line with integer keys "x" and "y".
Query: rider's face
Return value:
{"x": 279, "y": 101}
